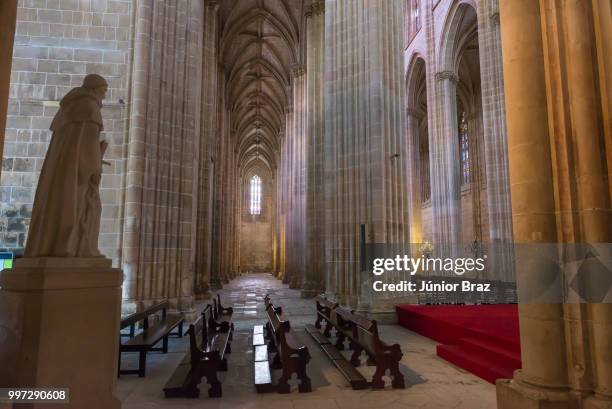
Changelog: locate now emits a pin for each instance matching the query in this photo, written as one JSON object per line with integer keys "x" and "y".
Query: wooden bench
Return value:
{"x": 221, "y": 313}
{"x": 362, "y": 334}
{"x": 291, "y": 355}
{"x": 208, "y": 344}
{"x": 221, "y": 316}
{"x": 337, "y": 318}
{"x": 386, "y": 357}
{"x": 150, "y": 336}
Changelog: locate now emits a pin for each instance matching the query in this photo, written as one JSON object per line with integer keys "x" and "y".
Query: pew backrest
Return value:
{"x": 197, "y": 338}
{"x": 144, "y": 315}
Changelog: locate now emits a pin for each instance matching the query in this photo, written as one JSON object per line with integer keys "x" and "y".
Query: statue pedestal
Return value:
{"x": 59, "y": 327}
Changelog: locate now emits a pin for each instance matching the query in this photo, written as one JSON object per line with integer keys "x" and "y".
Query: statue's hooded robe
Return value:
{"x": 67, "y": 207}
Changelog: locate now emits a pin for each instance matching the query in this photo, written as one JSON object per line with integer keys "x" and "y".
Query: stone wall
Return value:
{"x": 152, "y": 123}
{"x": 255, "y": 235}
{"x": 56, "y": 44}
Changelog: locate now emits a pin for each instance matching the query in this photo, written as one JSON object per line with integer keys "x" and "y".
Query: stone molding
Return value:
{"x": 212, "y": 5}
{"x": 447, "y": 75}
{"x": 297, "y": 71}
{"x": 494, "y": 17}
{"x": 316, "y": 8}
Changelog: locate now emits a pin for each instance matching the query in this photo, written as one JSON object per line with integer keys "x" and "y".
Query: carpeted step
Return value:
{"x": 483, "y": 339}
{"x": 491, "y": 351}
{"x": 473, "y": 363}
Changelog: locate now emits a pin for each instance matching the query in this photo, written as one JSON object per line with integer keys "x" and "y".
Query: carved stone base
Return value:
{"x": 310, "y": 292}
{"x": 514, "y": 395}
{"x": 598, "y": 402}
{"x": 60, "y": 319}
{"x": 216, "y": 283}
{"x": 312, "y": 288}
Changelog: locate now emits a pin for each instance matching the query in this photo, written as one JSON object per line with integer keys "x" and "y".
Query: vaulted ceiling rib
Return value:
{"x": 259, "y": 46}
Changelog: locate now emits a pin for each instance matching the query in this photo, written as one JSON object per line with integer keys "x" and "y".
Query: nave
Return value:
{"x": 431, "y": 383}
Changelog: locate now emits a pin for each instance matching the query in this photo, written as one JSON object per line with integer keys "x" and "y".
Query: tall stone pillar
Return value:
{"x": 592, "y": 190}
{"x": 364, "y": 148}
{"x": 208, "y": 131}
{"x": 414, "y": 177}
{"x": 602, "y": 10}
{"x": 445, "y": 168}
{"x": 165, "y": 103}
{"x": 8, "y": 16}
{"x": 289, "y": 201}
{"x": 314, "y": 281}
{"x": 495, "y": 142}
{"x": 543, "y": 377}
{"x": 135, "y": 173}
{"x": 298, "y": 180}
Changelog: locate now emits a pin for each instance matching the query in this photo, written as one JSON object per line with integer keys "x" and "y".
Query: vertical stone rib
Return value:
{"x": 136, "y": 150}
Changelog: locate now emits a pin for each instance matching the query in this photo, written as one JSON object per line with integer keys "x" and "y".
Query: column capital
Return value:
{"x": 297, "y": 70}
{"x": 447, "y": 75}
{"x": 414, "y": 113}
{"x": 315, "y": 9}
{"x": 212, "y": 4}
{"x": 494, "y": 19}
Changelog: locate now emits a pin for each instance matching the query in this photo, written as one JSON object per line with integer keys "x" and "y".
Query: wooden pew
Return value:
{"x": 208, "y": 344}
{"x": 291, "y": 355}
{"x": 150, "y": 336}
{"x": 338, "y": 318}
{"x": 362, "y": 334}
{"x": 386, "y": 357}
{"x": 220, "y": 313}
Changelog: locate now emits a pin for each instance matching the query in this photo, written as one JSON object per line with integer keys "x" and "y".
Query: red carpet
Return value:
{"x": 482, "y": 339}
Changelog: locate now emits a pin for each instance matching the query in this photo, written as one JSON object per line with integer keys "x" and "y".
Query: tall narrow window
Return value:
{"x": 415, "y": 16}
{"x": 413, "y": 22}
{"x": 255, "y": 195}
{"x": 464, "y": 147}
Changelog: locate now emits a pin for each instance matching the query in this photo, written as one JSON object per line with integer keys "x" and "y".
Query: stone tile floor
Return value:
{"x": 431, "y": 383}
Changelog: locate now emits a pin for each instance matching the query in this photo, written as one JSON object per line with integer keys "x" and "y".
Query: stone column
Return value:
{"x": 602, "y": 10}
{"x": 289, "y": 197}
{"x": 445, "y": 168}
{"x": 364, "y": 144}
{"x": 592, "y": 189}
{"x": 542, "y": 382}
{"x": 495, "y": 142}
{"x": 414, "y": 178}
{"x": 298, "y": 192}
{"x": 135, "y": 172}
{"x": 314, "y": 281}
{"x": 208, "y": 132}
{"x": 8, "y": 16}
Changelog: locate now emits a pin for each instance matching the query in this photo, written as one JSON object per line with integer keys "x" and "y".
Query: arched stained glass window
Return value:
{"x": 255, "y": 207}
{"x": 464, "y": 150}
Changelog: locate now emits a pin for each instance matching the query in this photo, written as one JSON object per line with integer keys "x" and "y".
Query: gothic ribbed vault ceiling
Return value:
{"x": 259, "y": 45}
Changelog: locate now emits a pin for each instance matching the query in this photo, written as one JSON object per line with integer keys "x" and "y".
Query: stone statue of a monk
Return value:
{"x": 67, "y": 207}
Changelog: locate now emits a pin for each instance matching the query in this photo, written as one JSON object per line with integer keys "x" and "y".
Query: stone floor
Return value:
{"x": 431, "y": 383}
